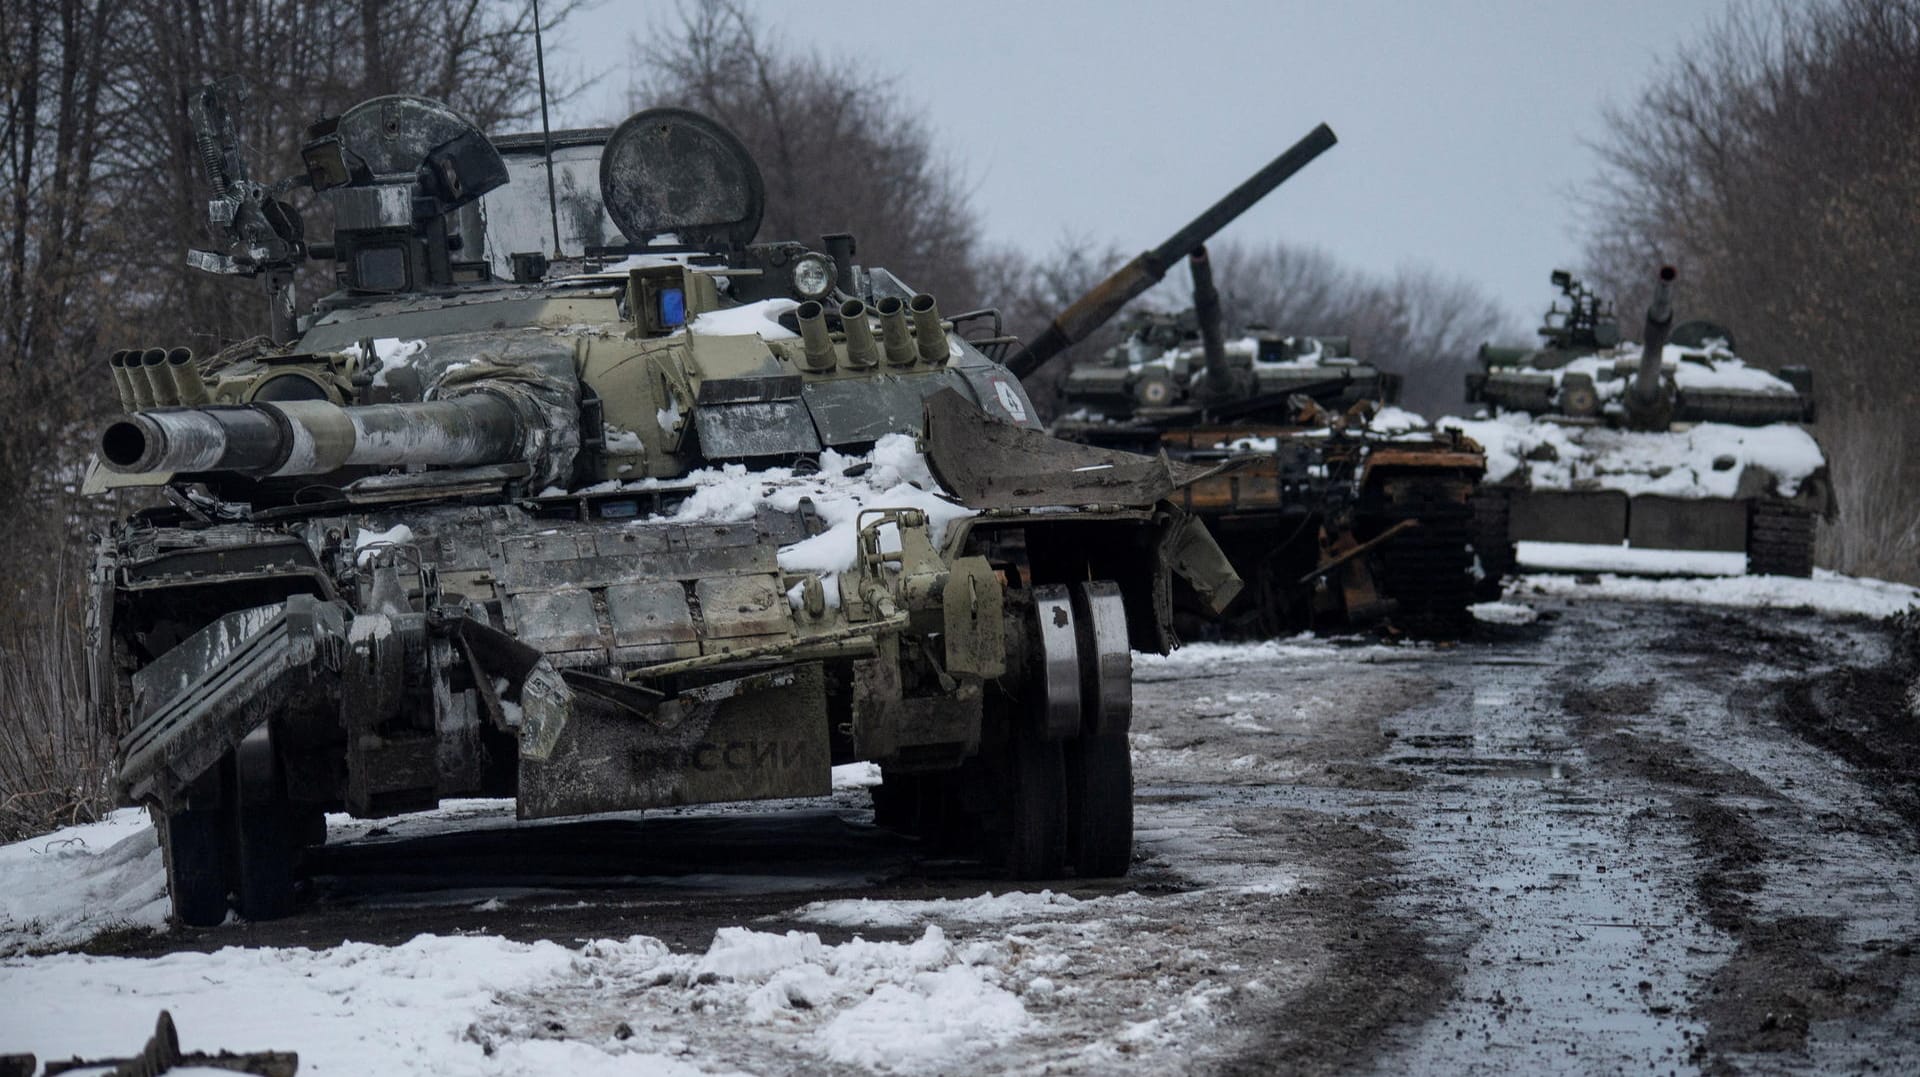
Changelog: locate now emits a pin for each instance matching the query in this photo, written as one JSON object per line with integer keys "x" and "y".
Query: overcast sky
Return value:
{"x": 1460, "y": 121}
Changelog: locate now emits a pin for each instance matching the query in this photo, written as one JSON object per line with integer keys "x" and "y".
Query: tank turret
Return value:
{"x": 1677, "y": 374}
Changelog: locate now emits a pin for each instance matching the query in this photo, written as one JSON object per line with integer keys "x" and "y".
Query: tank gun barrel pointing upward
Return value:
{"x": 1105, "y": 299}
{"x": 1206, "y": 309}
{"x": 1646, "y": 381}
{"x": 1648, "y": 402}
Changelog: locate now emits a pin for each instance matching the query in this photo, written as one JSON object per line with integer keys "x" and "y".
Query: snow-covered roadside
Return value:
{"x": 354, "y": 1008}
{"x": 483, "y": 1005}
{"x": 63, "y": 888}
{"x": 975, "y": 980}
{"x": 1827, "y": 592}
{"x": 768, "y": 1001}
{"x": 916, "y": 1006}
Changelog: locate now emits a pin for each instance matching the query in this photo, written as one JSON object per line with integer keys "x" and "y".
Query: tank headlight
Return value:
{"x": 812, "y": 276}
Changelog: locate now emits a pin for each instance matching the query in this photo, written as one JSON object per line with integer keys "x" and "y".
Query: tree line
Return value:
{"x": 1776, "y": 163}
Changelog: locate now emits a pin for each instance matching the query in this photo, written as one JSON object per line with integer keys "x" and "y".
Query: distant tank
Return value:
{"x": 594, "y": 501}
{"x": 1673, "y": 443}
{"x": 1338, "y": 509}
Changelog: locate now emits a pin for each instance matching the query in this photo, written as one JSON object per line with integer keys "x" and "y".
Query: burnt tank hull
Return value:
{"x": 1329, "y": 530}
{"x": 1337, "y": 514}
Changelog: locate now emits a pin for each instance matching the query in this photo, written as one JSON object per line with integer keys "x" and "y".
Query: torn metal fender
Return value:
{"x": 989, "y": 464}
{"x": 1196, "y": 558}
{"x": 200, "y": 699}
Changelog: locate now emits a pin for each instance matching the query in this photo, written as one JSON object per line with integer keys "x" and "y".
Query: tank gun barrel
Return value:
{"x": 1206, "y": 309}
{"x": 313, "y": 437}
{"x": 1646, "y": 380}
{"x": 1105, "y": 299}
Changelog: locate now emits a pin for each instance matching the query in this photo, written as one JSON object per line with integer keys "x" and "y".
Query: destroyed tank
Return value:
{"x": 574, "y": 492}
{"x": 1338, "y": 509}
{"x": 1674, "y": 443}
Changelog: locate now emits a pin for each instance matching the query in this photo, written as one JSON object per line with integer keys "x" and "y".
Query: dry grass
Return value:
{"x": 1877, "y": 532}
{"x": 55, "y": 763}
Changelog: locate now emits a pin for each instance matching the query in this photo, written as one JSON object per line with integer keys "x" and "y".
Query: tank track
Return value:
{"x": 1428, "y": 571}
{"x": 1492, "y": 539}
{"x": 1779, "y": 540}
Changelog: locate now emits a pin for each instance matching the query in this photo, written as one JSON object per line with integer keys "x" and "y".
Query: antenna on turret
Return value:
{"x": 546, "y": 128}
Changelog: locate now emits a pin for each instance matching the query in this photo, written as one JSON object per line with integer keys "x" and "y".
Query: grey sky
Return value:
{"x": 1460, "y": 123}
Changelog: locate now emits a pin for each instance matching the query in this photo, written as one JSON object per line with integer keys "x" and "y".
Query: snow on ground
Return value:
{"x": 915, "y": 1006}
{"x": 1628, "y": 560}
{"x": 354, "y": 1008}
{"x": 1504, "y": 613}
{"x": 856, "y": 776}
{"x": 1304, "y": 646}
{"x": 1704, "y": 460}
{"x": 1827, "y": 592}
{"x": 988, "y": 908}
{"x": 63, "y": 888}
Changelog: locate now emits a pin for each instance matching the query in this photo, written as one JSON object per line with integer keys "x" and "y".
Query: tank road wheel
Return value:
{"x": 1429, "y": 569}
{"x": 194, "y": 844}
{"x": 265, "y": 844}
{"x": 1034, "y": 766}
{"x": 1099, "y": 764}
{"x": 1492, "y": 539}
{"x": 1036, "y": 805}
{"x": 1100, "y": 805}
{"x": 1779, "y": 540}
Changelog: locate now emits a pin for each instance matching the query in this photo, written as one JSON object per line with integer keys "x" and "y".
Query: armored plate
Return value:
{"x": 989, "y": 464}
{"x": 649, "y": 592}
{"x": 753, "y": 738}
{"x": 667, "y": 171}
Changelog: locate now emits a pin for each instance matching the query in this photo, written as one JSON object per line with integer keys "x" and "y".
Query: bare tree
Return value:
{"x": 101, "y": 198}
{"x": 1777, "y": 163}
{"x": 840, "y": 149}
{"x": 1030, "y": 291}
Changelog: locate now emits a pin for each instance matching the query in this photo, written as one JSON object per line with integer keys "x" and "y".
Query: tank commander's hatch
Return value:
{"x": 389, "y": 139}
{"x": 396, "y": 169}
{"x": 668, "y": 171}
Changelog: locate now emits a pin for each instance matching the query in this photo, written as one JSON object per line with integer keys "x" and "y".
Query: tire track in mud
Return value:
{"x": 1380, "y": 973}
{"x": 1785, "y": 974}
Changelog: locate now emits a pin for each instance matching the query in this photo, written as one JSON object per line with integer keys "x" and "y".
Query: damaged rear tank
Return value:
{"x": 1339, "y": 509}
{"x": 1673, "y": 443}
{"x": 602, "y": 504}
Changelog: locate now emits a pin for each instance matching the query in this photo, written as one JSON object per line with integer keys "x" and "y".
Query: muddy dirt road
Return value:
{"x": 1617, "y": 839}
